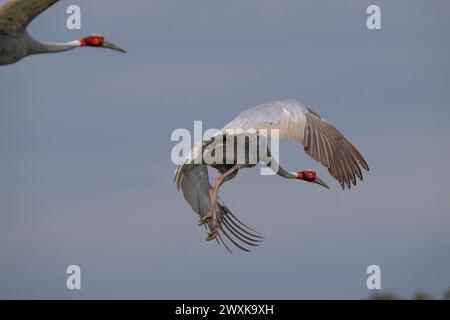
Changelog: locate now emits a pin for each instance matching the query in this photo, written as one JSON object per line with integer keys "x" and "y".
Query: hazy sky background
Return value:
{"x": 86, "y": 175}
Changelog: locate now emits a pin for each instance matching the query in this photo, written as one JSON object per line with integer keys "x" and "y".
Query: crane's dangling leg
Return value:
{"x": 213, "y": 193}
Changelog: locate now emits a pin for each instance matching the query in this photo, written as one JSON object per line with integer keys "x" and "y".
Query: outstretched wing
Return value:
{"x": 321, "y": 141}
{"x": 15, "y": 15}
{"x": 195, "y": 186}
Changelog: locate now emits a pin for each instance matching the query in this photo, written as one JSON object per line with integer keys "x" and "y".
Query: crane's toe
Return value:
{"x": 206, "y": 217}
{"x": 212, "y": 235}
{"x": 214, "y": 228}
{"x": 203, "y": 220}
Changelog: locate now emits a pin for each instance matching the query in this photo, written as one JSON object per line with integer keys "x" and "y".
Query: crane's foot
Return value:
{"x": 211, "y": 213}
{"x": 212, "y": 235}
{"x": 214, "y": 229}
{"x": 204, "y": 220}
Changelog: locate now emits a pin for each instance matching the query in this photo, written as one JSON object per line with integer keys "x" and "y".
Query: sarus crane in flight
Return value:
{"x": 16, "y": 43}
{"x": 292, "y": 120}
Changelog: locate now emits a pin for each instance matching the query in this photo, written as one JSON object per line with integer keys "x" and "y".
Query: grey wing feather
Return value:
{"x": 321, "y": 141}
{"x": 15, "y": 15}
{"x": 194, "y": 184}
{"x": 195, "y": 187}
{"x": 324, "y": 143}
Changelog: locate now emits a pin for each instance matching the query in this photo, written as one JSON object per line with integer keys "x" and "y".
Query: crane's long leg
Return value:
{"x": 213, "y": 193}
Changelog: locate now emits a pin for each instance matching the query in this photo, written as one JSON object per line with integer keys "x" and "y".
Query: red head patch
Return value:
{"x": 308, "y": 175}
{"x": 95, "y": 40}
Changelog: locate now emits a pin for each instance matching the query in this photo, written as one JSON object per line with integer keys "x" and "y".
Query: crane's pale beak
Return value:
{"x": 320, "y": 182}
{"x": 112, "y": 46}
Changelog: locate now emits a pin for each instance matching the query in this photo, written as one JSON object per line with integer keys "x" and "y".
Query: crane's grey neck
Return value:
{"x": 287, "y": 174}
{"x": 283, "y": 173}
{"x": 273, "y": 164}
{"x": 37, "y": 47}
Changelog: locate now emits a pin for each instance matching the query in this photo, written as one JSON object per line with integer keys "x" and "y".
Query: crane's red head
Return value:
{"x": 97, "y": 40}
{"x": 310, "y": 176}
{"x": 307, "y": 175}
{"x": 94, "y": 40}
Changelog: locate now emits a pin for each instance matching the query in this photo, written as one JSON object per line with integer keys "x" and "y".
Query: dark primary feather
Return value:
{"x": 325, "y": 144}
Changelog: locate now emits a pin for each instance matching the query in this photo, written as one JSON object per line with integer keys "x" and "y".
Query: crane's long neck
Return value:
{"x": 279, "y": 170}
{"x": 286, "y": 174}
{"x": 37, "y": 47}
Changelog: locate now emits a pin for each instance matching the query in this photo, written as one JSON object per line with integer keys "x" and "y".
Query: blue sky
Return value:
{"x": 85, "y": 150}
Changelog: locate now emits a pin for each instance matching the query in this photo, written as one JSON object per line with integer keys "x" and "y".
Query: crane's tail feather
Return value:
{"x": 235, "y": 231}
{"x": 224, "y": 244}
{"x": 233, "y": 241}
{"x": 231, "y": 215}
{"x": 243, "y": 232}
{"x": 240, "y": 235}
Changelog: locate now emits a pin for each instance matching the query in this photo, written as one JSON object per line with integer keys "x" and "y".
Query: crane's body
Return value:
{"x": 16, "y": 43}
{"x": 12, "y": 49}
{"x": 293, "y": 120}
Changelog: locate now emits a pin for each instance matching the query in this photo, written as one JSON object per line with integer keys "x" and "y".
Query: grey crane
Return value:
{"x": 293, "y": 120}
{"x": 16, "y": 43}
